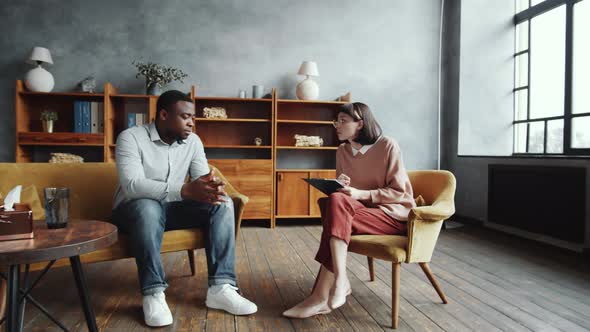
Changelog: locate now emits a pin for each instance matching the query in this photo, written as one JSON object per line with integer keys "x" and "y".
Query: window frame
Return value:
{"x": 526, "y": 16}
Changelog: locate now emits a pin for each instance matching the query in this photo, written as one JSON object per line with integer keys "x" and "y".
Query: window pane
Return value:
{"x": 520, "y": 138}
{"x": 555, "y": 136}
{"x": 521, "y": 5}
{"x": 520, "y": 100}
{"x": 581, "y": 132}
{"x": 536, "y": 2}
{"x": 522, "y": 37}
{"x": 581, "y": 72}
{"x": 547, "y": 63}
{"x": 536, "y": 136}
{"x": 521, "y": 70}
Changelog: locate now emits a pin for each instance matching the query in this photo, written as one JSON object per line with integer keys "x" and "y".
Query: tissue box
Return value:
{"x": 17, "y": 224}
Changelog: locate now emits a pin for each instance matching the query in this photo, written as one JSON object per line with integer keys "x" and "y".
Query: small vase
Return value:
{"x": 47, "y": 126}
{"x": 154, "y": 89}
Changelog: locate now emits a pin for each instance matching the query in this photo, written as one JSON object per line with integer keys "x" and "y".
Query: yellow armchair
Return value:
{"x": 424, "y": 224}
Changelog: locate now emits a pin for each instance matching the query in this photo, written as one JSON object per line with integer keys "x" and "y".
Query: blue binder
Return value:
{"x": 77, "y": 116}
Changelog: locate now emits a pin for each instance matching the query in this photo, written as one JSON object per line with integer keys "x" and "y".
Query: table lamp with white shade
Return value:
{"x": 38, "y": 79}
{"x": 308, "y": 89}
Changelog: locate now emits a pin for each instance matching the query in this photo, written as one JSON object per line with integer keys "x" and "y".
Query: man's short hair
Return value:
{"x": 170, "y": 98}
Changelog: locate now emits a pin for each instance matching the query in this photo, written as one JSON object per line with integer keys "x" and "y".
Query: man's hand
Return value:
{"x": 359, "y": 195}
{"x": 206, "y": 189}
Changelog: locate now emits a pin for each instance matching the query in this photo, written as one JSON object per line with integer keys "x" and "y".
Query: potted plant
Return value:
{"x": 157, "y": 76}
{"x": 47, "y": 119}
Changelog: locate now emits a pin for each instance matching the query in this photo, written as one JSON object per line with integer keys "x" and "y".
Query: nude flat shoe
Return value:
{"x": 337, "y": 300}
{"x": 319, "y": 311}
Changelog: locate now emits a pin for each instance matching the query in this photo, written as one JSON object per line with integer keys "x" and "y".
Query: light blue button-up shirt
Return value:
{"x": 151, "y": 168}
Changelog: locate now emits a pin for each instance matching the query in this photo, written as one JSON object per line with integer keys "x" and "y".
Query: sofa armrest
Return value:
{"x": 239, "y": 200}
{"x": 440, "y": 210}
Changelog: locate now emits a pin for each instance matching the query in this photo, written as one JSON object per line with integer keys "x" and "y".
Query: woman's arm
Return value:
{"x": 398, "y": 187}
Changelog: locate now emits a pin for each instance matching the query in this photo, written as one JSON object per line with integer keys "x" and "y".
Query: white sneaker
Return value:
{"x": 226, "y": 297}
{"x": 155, "y": 310}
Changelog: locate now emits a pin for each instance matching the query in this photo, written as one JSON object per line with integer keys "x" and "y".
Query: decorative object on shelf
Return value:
{"x": 38, "y": 79}
{"x": 214, "y": 113}
{"x": 257, "y": 91}
{"x": 88, "y": 84}
{"x": 158, "y": 76}
{"x": 242, "y": 94}
{"x": 345, "y": 97}
{"x": 303, "y": 140}
{"x": 65, "y": 158}
{"x": 258, "y": 141}
{"x": 47, "y": 119}
{"x": 308, "y": 89}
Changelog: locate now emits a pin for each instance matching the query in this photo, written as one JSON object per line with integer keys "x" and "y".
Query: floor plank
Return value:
{"x": 493, "y": 282}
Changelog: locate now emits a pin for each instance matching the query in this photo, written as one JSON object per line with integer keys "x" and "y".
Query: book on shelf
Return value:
{"x": 88, "y": 117}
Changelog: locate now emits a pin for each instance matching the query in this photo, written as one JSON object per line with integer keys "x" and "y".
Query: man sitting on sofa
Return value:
{"x": 153, "y": 161}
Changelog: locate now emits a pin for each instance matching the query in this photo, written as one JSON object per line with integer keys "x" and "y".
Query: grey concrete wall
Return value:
{"x": 486, "y": 78}
{"x": 384, "y": 52}
{"x": 472, "y": 172}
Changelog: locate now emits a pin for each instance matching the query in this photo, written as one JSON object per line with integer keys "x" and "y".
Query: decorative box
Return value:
{"x": 17, "y": 224}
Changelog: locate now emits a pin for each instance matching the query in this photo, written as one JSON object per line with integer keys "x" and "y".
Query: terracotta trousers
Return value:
{"x": 343, "y": 216}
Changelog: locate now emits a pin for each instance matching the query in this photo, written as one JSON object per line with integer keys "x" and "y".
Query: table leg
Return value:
{"x": 23, "y": 305}
{"x": 12, "y": 299}
{"x": 83, "y": 293}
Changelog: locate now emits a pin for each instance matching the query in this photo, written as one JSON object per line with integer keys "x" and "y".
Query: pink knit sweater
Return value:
{"x": 381, "y": 171}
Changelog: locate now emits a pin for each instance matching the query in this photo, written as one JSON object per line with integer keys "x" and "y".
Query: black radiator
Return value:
{"x": 538, "y": 199}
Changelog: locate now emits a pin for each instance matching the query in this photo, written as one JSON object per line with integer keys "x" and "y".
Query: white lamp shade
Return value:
{"x": 308, "y": 68}
{"x": 40, "y": 54}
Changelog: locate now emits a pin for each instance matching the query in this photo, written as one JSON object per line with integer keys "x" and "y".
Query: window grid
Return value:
{"x": 525, "y": 16}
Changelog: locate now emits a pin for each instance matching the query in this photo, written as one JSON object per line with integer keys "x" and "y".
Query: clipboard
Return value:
{"x": 327, "y": 186}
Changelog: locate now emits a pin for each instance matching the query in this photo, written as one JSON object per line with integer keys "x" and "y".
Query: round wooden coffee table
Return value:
{"x": 79, "y": 237}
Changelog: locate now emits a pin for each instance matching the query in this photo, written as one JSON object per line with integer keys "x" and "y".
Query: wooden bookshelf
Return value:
{"x": 270, "y": 174}
{"x": 29, "y": 133}
{"x": 311, "y": 118}
{"x": 230, "y": 146}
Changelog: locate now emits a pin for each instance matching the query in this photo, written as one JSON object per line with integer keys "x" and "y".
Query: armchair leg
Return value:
{"x": 191, "y": 260}
{"x": 433, "y": 281}
{"x": 371, "y": 268}
{"x": 395, "y": 271}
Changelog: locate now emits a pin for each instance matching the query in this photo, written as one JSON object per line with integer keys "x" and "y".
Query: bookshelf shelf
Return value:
{"x": 230, "y": 99}
{"x": 62, "y": 94}
{"x": 65, "y": 139}
{"x": 132, "y": 96}
{"x": 232, "y": 120}
{"x": 311, "y": 122}
{"x": 221, "y": 146}
{"x": 311, "y": 102}
{"x": 307, "y": 148}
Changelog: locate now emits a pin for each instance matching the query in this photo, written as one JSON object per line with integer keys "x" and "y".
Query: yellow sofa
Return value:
{"x": 92, "y": 187}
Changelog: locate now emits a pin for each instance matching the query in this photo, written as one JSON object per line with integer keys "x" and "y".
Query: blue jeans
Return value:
{"x": 145, "y": 221}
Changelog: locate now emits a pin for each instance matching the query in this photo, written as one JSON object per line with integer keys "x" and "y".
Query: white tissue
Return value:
{"x": 12, "y": 197}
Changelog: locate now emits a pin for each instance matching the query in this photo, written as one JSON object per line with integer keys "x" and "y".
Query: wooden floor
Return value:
{"x": 493, "y": 281}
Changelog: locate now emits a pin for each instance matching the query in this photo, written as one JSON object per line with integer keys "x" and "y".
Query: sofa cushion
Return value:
{"x": 92, "y": 185}
{"x": 387, "y": 247}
